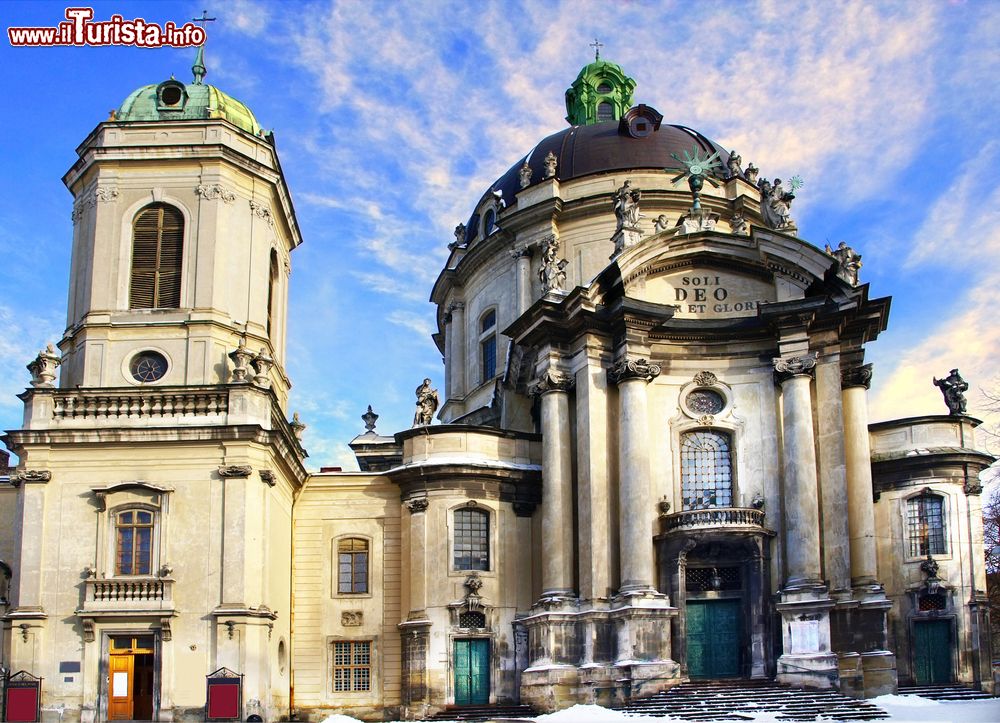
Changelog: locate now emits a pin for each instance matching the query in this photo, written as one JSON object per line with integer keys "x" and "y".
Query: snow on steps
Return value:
{"x": 944, "y": 692}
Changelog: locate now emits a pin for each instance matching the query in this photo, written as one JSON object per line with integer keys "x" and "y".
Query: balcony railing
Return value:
{"x": 138, "y": 403}
{"x": 713, "y": 517}
{"x": 131, "y": 595}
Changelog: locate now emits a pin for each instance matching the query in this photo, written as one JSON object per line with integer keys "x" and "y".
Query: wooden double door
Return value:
{"x": 932, "y": 650}
{"x": 131, "y": 677}
{"x": 714, "y": 634}
{"x": 472, "y": 671}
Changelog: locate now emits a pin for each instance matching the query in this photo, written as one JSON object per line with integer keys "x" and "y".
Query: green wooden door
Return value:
{"x": 472, "y": 672}
{"x": 932, "y": 652}
{"x": 713, "y": 638}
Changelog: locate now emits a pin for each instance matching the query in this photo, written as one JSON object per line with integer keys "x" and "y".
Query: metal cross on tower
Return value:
{"x": 204, "y": 19}
{"x": 199, "y": 68}
{"x": 597, "y": 45}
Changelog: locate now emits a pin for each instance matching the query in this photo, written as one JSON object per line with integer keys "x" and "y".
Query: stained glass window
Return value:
{"x": 925, "y": 523}
{"x": 706, "y": 470}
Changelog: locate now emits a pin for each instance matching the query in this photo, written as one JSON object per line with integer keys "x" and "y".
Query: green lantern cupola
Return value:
{"x": 601, "y": 92}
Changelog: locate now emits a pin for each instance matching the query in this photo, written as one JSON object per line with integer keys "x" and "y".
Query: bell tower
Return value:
{"x": 601, "y": 92}
{"x": 183, "y": 230}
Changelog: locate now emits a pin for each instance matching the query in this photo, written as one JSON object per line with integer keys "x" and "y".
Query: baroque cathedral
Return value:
{"x": 650, "y": 459}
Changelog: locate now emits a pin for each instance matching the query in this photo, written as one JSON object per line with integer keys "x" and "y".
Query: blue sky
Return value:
{"x": 392, "y": 118}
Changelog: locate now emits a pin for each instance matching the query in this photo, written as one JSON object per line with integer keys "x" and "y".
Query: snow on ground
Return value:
{"x": 901, "y": 709}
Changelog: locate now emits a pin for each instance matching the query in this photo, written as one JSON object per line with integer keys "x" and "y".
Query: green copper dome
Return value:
{"x": 601, "y": 92}
{"x": 174, "y": 100}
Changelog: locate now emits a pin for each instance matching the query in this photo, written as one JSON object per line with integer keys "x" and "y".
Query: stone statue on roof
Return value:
{"x": 734, "y": 164}
{"x": 427, "y": 404}
{"x": 552, "y": 272}
{"x": 848, "y": 260}
{"x": 627, "y": 206}
{"x": 550, "y": 165}
{"x": 953, "y": 387}
{"x": 524, "y": 174}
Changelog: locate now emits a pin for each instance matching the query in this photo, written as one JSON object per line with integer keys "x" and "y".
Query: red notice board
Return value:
{"x": 22, "y": 700}
{"x": 223, "y": 695}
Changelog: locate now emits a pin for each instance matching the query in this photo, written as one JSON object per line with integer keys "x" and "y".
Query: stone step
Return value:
{"x": 944, "y": 692}
{"x": 741, "y": 700}
{"x": 484, "y": 713}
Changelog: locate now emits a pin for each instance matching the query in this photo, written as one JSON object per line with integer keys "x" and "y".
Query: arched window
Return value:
{"x": 488, "y": 345}
{"x": 925, "y": 525}
{"x": 272, "y": 281}
{"x": 706, "y": 469}
{"x": 605, "y": 112}
{"x": 472, "y": 540}
{"x": 352, "y": 566}
{"x": 489, "y": 223}
{"x": 134, "y": 542}
{"x": 157, "y": 245}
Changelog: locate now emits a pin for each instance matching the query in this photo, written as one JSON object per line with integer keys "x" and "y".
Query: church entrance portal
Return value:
{"x": 713, "y": 638}
{"x": 932, "y": 652}
{"x": 472, "y": 671}
{"x": 131, "y": 663}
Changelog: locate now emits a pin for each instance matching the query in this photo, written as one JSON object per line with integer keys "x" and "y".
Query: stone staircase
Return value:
{"x": 498, "y": 712}
{"x": 953, "y": 691}
{"x": 741, "y": 699}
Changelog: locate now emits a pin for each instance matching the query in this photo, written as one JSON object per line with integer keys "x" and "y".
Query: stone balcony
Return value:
{"x": 734, "y": 519}
{"x": 148, "y": 595}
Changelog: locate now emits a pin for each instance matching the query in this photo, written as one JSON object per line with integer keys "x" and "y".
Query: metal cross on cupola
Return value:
{"x": 199, "y": 69}
{"x": 597, "y": 45}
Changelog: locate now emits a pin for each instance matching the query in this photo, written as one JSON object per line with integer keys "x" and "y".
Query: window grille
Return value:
{"x": 352, "y": 665}
{"x": 472, "y": 540}
{"x": 352, "y": 563}
{"x": 931, "y": 602}
{"x": 706, "y": 470}
{"x": 471, "y": 619}
{"x": 925, "y": 523}
{"x": 134, "y": 546}
{"x": 705, "y": 579}
{"x": 157, "y": 246}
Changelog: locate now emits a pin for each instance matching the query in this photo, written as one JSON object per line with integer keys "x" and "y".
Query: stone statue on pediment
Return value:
{"x": 848, "y": 260}
{"x": 953, "y": 387}
{"x": 552, "y": 271}
{"x": 734, "y": 164}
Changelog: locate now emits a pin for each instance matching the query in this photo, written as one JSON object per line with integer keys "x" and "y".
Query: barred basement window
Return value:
{"x": 352, "y": 566}
{"x": 706, "y": 470}
{"x": 925, "y": 525}
{"x": 472, "y": 540}
{"x": 931, "y": 602}
{"x": 704, "y": 579}
{"x": 352, "y": 665}
{"x": 157, "y": 245}
{"x": 471, "y": 619}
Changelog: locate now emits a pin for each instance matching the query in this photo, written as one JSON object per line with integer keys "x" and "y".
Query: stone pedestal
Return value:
{"x": 550, "y": 680}
{"x": 643, "y": 663}
{"x": 624, "y": 238}
{"x": 807, "y": 658}
{"x": 696, "y": 221}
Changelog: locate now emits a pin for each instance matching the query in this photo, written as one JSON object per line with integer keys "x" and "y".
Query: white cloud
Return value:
{"x": 418, "y": 323}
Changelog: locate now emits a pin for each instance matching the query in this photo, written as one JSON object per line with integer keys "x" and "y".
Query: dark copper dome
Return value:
{"x": 586, "y": 150}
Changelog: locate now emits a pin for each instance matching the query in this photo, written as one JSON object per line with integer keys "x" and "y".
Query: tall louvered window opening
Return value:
{"x": 157, "y": 246}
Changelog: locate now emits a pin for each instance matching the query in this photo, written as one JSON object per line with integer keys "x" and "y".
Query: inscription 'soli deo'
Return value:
{"x": 716, "y": 294}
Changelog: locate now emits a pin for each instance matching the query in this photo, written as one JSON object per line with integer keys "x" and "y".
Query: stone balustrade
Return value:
{"x": 100, "y": 404}
{"x": 713, "y": 517}
{"x": 103, "y": 595}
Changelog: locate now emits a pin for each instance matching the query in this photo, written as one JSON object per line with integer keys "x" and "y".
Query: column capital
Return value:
{"x": 417, "y": 504}
{"x": 456, "y": 306}
{"x": 856, "y": 376}
{"x": 520, "y": 251}
{"x": 551, "y": 381}
{"x": 633, "y": 369}
{"x": 786, "y": 367}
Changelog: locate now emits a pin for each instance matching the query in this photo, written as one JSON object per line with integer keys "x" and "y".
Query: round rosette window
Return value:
{"x": 148, "y": 367}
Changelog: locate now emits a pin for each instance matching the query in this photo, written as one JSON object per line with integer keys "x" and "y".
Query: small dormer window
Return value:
{"x": 605, "y": 112}
{"x": 171, "y": 96}
{"x": 604, "y": 87}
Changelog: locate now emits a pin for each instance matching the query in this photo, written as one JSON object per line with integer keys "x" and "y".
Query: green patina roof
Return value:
{"x": 203, "y": 102}
{"x": 583, "y": 97}
{"x": 196, "y": 102}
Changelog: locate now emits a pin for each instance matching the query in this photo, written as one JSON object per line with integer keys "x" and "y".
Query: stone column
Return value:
{"x": 456, "y": 350}
{"x": 557, "y": 489}
{"x": 418, "y": 557}
{"x": 857, "y": 449}
{"x": 522, "y": 278}
{"x": 636, "y": 512}
{"x": 832, "y": 476}
{"x": 806, "y": 657}
{"x": 801, "y": 485}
